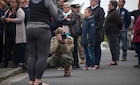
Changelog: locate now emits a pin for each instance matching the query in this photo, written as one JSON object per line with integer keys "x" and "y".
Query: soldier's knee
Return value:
{"x": 66, "y": 60}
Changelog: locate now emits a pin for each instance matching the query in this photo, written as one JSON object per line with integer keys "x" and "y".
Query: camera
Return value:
{"x": 63, "y": 36}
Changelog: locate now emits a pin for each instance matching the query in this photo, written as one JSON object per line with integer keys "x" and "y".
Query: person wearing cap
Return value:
{"x": 125, "y": 15}
{"x": 113, "y": 25}
{"x": 61, "y": 50}
{"x": 80, "y": 19}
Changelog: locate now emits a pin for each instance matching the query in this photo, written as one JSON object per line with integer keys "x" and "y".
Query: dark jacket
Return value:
{"x": 135, "y": 13}
{"x": 1, "y": 22}
{"x": 64, "y": 21}
{"x": 113, "y": 22}
{"x": 88, "y": 31}
{"x": 137, "y": 30}
{"x": 73, "y": 17}
{"x": 27, "y": 11}
{"x": 99, "y": 15}
{"x": 125, "y": 15}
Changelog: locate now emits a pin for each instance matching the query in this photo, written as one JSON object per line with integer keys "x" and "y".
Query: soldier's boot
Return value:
{"x": 82, "y": 57}
{"x": 82, "y": 61}
{"x": 67, "y": 71}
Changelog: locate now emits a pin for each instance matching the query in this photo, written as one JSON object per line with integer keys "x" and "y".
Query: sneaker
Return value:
{"x": 136, "y": 55}
{"x": 60, "y": 68}
{"x": 124, "y": 59}
{"x": 137, "y": 66}
{"x": 90, "y": 68}
{"x": 96, "y": 67}
{"x": 85, "y": 68}
{"x": 82, "y": 61}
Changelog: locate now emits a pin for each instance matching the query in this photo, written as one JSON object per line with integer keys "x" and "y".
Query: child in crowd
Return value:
{"x": 88, "y": 39}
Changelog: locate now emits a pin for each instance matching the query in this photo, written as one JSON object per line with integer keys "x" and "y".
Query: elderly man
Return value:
{"x": 61, "y": 50}
{"x": 80, "y": 17}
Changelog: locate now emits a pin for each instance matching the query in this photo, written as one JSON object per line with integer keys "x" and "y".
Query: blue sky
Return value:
{"x": 130, "y": 4}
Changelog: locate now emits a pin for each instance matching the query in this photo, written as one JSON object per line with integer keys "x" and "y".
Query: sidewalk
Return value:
{"x": 5, "y": 73}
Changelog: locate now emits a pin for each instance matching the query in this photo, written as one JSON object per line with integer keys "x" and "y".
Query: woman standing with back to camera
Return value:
{"x": 38, "y": 38}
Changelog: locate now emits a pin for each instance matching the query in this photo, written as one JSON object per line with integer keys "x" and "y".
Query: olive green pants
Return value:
{"x": 80, "y": 49}
{"x": 62, "y": 61}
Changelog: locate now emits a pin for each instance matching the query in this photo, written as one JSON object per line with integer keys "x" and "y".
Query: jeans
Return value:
{"x": 137, "y": 49}
{"x": 97, "y": 53}
{"x": 123, "y": 39}
{"x": 89, "y": 55}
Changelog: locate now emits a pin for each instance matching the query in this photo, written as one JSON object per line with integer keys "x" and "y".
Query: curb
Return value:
{"x": 10, "y": 73}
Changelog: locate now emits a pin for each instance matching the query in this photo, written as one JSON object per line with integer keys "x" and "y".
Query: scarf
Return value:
{"x": 67, "y": 14}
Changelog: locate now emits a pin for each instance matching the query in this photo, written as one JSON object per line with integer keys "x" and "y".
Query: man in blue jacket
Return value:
{"x": 126, "y": 18}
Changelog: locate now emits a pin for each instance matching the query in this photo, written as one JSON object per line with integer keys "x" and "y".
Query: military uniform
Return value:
{"x": 61, "y": 52}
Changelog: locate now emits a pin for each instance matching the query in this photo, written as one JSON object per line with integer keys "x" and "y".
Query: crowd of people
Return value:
{"x": 40, "y": 34}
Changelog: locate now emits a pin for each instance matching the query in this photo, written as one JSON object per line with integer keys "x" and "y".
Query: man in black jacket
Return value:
{"x": 99, "y": 14}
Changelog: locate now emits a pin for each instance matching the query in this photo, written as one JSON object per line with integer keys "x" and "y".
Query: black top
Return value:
{"x": 11, "y": 26}
{"x": 1, "y": 22}
{"x": 113, "y": 25}
{"x": 99, "y": 15}
{"x": 38, "y": 12}
{"x": 135, "y": 13}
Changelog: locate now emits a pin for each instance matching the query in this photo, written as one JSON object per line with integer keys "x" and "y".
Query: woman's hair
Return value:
{"x": 89, "y": 10}
{"x": 114, "y": 3}
{"x": 67, "y": 4}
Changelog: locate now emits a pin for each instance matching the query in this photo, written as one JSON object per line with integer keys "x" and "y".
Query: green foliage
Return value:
{"x": 105, "y": 38}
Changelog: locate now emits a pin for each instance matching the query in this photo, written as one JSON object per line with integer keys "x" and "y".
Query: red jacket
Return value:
{"x": 137, "y": 30}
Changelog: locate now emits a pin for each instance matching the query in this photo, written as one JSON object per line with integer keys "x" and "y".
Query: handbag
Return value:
{"x": 76, "y": 29}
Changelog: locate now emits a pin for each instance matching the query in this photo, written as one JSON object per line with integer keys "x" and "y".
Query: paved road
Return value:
{"x": 123, "y": 74}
